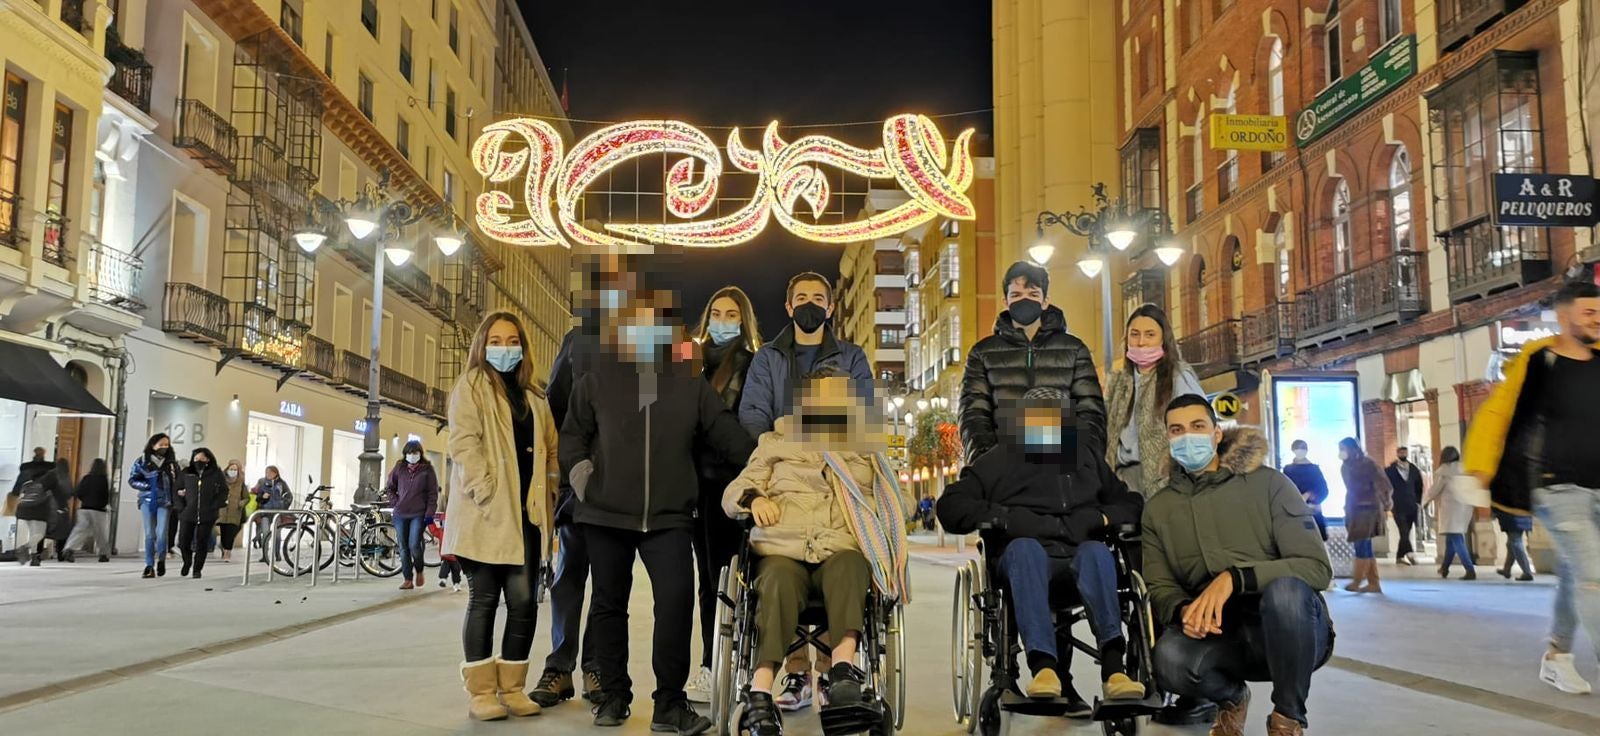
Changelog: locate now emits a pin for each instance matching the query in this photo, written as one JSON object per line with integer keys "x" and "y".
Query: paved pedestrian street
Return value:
{"x": 92, "y": 649}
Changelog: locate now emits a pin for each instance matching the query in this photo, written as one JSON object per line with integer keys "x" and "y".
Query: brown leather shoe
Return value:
{"x": 1231, "y": 717}
{"x": 1282, "y": 725}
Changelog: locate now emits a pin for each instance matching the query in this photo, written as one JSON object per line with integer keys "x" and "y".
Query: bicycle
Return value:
{"x": 322, "y": 541}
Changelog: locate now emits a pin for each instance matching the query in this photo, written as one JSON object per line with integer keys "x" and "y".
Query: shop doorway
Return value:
{"x": 345, "y": 473}
{"x": 291, "y": 446}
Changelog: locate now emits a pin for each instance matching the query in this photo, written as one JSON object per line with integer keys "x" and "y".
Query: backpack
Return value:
{"x": 34, "y": 502}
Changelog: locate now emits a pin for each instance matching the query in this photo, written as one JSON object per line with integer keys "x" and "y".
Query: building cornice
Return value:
{"x": 72, "y": 50}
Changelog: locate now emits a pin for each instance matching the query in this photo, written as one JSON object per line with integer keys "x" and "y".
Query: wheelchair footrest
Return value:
{"x": 863, "y": 717}
{"x": 1114, "y": 710}
{"x": 1013, "y": 702}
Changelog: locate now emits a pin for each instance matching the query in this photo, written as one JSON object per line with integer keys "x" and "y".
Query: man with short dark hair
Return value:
{"x": 1233, "y": 563}
{"x": 1406, "y": 480}
{"x": 804, "y": 346}
{"x": 1030, "y": 348}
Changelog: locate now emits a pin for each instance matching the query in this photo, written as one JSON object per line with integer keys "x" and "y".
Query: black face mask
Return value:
{"x": 1026, "y": 311}
{"x": 808, "y": 317}
{"x": 200, "y": 465}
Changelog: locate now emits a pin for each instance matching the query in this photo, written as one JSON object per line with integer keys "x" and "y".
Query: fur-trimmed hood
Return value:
{"x": 1243, "y": 450}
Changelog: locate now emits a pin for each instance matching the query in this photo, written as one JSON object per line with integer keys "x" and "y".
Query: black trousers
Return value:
{"x": 229, "y": 533}
{"x": 173, "y": 525}
{"x": 1405, "y": 522}
{"x": 716, "y": 541}
{"x": 194, "y": 541}
{"x": 666, "y": 554}
{"x": 487, "y": 585}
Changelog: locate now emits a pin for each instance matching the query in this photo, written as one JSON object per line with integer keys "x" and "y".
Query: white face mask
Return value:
{"x": 413, "y": 458}
{"x": 232, "y": 474}
{"x": 1344, "y": 455}
{"x": 1300, "y": 454}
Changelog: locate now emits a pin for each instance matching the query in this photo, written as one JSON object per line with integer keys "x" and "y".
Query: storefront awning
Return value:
{"x": 30, "y": 375}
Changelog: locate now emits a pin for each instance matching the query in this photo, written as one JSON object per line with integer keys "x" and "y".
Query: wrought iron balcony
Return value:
{"x": 438, "y": 403}
{"x": 1268, "y": 333}
{"x": 115, "y": 277}
{"x": 1459, "y": 20}
{"x": 1213, "y": 350}
{"x": 443, "y": 302}
{"x": 353, "y": 370}
{"x": 191, "y": 312}
{"x": 1485, "y": 259}
{"x": 1145, "y": 286}
{"x": 10, "y": 219}
{"x": 131, "y": 81}
{"x": 321, "y": 358}
{"x": 55, "y": 233}
{"x": 261, "y": 336}
{"x": 206, "y": 136}
{"x": 1387, "y": 291}
{"x": 402, "y": 389}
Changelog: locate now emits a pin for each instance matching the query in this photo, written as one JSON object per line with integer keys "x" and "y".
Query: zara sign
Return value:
{"x": 1544, "y": 200}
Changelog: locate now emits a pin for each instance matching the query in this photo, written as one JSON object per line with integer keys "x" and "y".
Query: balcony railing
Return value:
{"x": 131, "y": 81}
{"x": 192, "y": 312}
{"x": 1194, "y": 204}
{"x": 1213, "y": 350}
{"x": 438, "y": 403}
{"x": 55, "y": 233}
{"x": 353, "y": 370}
{"x": 403, "y": 389}
{"x": 1389, "y": 290}
{"x": 10, "y": 219}
{"x": 206, "y": 136}
{"x": 72, "y": 14}
{"x": 321, "y": 358}
{"x": 443, "y": 302}
{"x": 260, "y": 335}
{"x": 1460, "y": 19}
{"x": 1485, "y": 259}
{"x": 115, "y": 277}
{"x": 1268, "y": 333}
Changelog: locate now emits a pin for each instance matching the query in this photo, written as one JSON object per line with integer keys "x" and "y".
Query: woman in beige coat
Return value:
{"x": 503, "y": 445}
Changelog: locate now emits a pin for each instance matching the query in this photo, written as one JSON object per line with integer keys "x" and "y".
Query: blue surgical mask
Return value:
{"x": 1193, "y": 451}
{"x": 610, "y": 299}
{"x": 642, "y": 341}
{"x": 723, "y": 332}
{"x": 1045, "y": 438}
{"x": 503, "y": 357}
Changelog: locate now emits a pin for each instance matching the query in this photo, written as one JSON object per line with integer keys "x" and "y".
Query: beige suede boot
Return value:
{"x": 513, "y": 677}
{"x": 482, "y": 683}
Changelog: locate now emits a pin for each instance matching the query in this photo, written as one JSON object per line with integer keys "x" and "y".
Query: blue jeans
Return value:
{"x": 566, "y": 604}
{"x": 1572, "y": 514}
{"x": 1363, "y": 549}
{"x": 409, "y": 530}
{"x": 1283, "y": 637}
{"x": 1029, "y": 572}
{"x": 1455, "y": 545}
{"x": 1517, "y": 551}
{"x": 155, "y": 532}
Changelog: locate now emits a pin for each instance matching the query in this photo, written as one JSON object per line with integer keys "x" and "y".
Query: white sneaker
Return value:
{"x": 699, "y": 689}
{"x": 796, "y": 693}
{"x": 1556, "y": 670}
{"x": 457, "y": 588}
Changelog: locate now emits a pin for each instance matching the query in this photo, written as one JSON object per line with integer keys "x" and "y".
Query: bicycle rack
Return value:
{"x": 315, "y": 518}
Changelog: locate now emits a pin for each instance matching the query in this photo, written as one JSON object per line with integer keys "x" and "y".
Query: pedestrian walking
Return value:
{"x": 1516, "y": 528}
{"x": 155, "y": 476}
{"x": 59, "y": 483}
{"x": 1456, "y": 509}
{"x": 1307, "y": 476}
{"x": 36, "y": 508}
{"x": 1406, "y": 480}
{"x": 93, "y": 523}
{"x": 1138, "y": 391}
{"x": 640, "y": 410}
{"x": 728, "y": 338}
{"x": 233, "y": 515}
{"x": 503, "y": 442}
{"x": 1532, "y": 443}
{"x": 449, "y": 566}
{"x": 272, "y": 493}
{"x": 205, "y": 491}
{"x": 1367, "y": 501}
{"x": 32, "y": 469}
{"x": 1030, "y": 348}
{"x": 413, "y": 486}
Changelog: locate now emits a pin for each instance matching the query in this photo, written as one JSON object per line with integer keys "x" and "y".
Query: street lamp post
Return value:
{"x": 1114, "y": 223}
{"x": 376, "y": 216}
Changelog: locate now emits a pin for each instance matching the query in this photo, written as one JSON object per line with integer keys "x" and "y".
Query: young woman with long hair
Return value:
{"x": 728, "y": 338}
{"x": 155, "y": 476}
{"x": 503, "y": 442}
{"x": 1367, "y": 502}
{"x": 1151, "y": 374}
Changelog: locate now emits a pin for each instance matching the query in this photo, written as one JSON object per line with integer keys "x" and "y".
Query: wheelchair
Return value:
{"x": 984, "y": 639}
{"x": 881, "y": 653}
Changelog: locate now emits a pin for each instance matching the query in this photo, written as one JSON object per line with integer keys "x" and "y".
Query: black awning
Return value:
{"x": 30, "y": 375}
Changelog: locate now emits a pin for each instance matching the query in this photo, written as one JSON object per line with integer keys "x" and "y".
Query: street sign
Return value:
{"x": 1545, "y": 200}
{"x": 1227, "y": 405}
{"x": 897, "y": 440}
{"x": 1249, "y": 132}
{"x": 1389, "y": 68}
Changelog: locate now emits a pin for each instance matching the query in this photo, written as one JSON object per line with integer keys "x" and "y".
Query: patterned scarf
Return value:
{"x": 878, "y": 523}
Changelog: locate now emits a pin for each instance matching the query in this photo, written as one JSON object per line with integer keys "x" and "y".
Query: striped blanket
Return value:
{"x": 878, "y": 523}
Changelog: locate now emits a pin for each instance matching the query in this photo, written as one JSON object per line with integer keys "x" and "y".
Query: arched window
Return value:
{"x": 1203, "y": 288}
{"x": 1275, "y": 104}
{"x": 1400, "y": 199}
{"x": 1234, "y": 306}
{"x": 1280, "y": 244}
{"x": 1343, "y": 242}
{"x": 1334, "y": 39}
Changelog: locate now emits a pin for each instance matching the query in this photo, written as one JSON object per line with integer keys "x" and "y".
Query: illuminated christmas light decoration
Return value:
{"x": 914, "y": 155}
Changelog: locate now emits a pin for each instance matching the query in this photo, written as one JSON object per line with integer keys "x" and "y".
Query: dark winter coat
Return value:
{"x": 31, "y": 470}
{"x": 207, "y": 494}
{"x": 414, "y": 488}
{"x": 279, "y": 495}
{"x": 1059, "y": 504}
{"x": 1407, "y": 488}
{"x": 769, "y": 382}
{"x": 1309, "y": 479}
{"x": 93, "y": 492}
{"x": 710, "y": 464}
{"x": 1003, "y": 366}
{"x": 572, "y": 361}
{"x": 1367, "y": 497}
{"x": 631, "y": 461}
{"x": 35, "y": 502}
{"x": 156, "y": 480}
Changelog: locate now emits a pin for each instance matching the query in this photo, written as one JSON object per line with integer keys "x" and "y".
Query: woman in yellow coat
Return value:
{"x": 502, "y": 486}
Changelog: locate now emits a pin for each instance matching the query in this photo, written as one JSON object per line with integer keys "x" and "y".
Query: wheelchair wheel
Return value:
{"x": 960, "y": 666}
{"x": 894, "y": 666}
{"x": 722, "y": 664}
{"x": 1120, "y": 727}
{"x": 972, "y": 654}
{"x": 991, "y": 719}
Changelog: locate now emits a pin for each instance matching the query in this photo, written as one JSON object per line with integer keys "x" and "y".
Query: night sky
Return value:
{"x": 720, "y": 62}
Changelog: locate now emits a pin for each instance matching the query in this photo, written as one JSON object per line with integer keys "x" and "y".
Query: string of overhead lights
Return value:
{"x": 503, "y": 114}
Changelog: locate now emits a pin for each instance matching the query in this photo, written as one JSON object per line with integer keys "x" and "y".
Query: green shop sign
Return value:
{"x": 1389, "y": 68}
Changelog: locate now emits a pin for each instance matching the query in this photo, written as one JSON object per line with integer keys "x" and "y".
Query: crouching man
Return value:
{"x": 1044, "y": 500}
{"x": 1233, "y": 562}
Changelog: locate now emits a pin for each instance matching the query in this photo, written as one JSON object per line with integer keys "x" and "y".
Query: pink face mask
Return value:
{"x": 1146, "y": 357}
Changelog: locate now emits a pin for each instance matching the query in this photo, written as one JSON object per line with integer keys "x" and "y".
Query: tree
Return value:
{"x": 936, "y": 441}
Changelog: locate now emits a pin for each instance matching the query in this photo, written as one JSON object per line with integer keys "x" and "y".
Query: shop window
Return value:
{"x": 13, "y": 121}
{"x": 1141, "y": 169}
{"x": 1275, "y": 104}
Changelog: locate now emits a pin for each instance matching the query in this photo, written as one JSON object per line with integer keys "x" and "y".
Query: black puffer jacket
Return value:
{"x": 207, "y": 491}
{"x": 1003, "y": 366}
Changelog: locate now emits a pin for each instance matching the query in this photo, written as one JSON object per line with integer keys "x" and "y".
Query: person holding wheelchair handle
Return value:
{"x": 830, "y": 518}
{"x": 1233, "y": 562}
{"x": 1044, "y": 503}
{"x": 413, "y": 487}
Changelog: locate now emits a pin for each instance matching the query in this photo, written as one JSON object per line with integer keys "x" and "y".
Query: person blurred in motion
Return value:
{"x": 1516, "y": 528}
{"x": 414, "y": 488}
{"x": 1532, "y": 443}
{"x": 92, "y": 495}
{"x": 1137, "y": 394}
{"x": 1030, "y": 348}
{"x": 232, "y": 515}
{"x": 59, "y": 528}
{"x": 155, "y": 476}
{"x": 819, "y": 468}
{"x": 1406, "y": 480}
{"x": 1367, "y": 501}
{"x": 1307, "y": 476}
{"x": 37, "y": 508}
{"x": 1234, "y": 565}
{"x": 503, "y": 443}
{"x": 728, "y": 338}
{"x": 205, "y": 491}
{"x": 1455, "y": 513}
